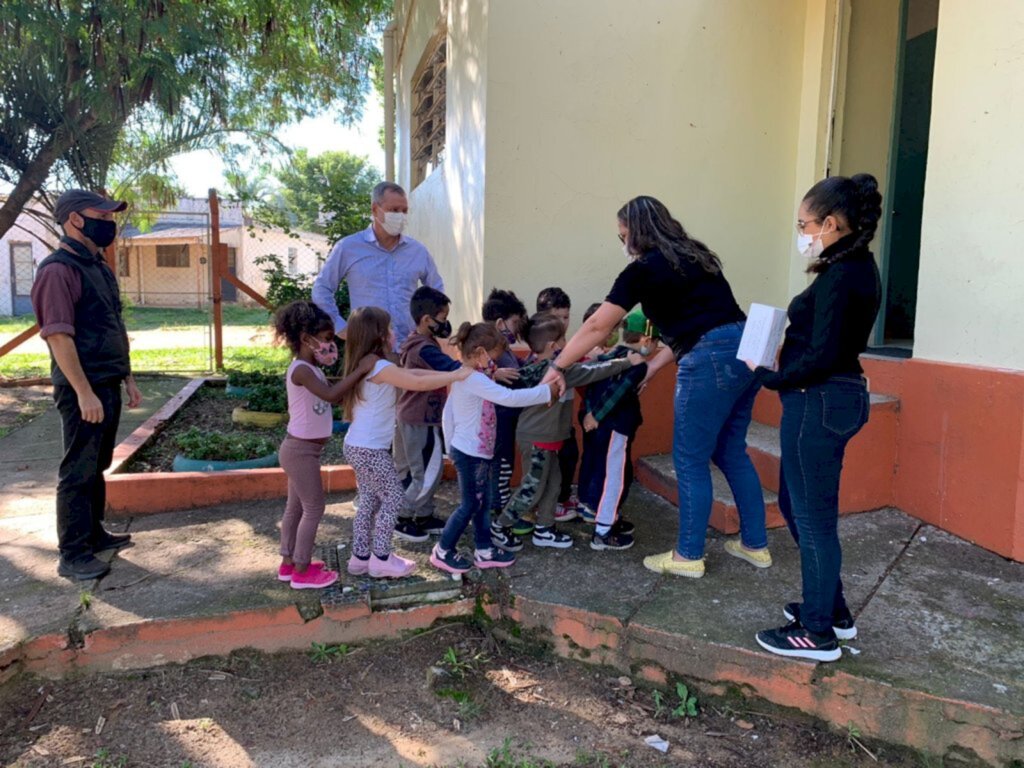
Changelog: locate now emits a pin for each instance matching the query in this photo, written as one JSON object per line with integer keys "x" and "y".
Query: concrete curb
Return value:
{"x": 879, "y": 710}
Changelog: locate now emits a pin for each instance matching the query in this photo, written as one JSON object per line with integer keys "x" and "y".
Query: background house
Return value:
{"x": 164, "y": 258}
{"x": 523, "y": 125}
{"x": 22, "y": 247}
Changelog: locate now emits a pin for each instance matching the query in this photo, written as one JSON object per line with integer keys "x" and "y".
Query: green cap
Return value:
{"x": 637, "y": 322}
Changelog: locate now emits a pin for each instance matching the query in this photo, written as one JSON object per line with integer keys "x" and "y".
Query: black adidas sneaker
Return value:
{"x": 796, "y": 641}
{"x": 845, "y": 629}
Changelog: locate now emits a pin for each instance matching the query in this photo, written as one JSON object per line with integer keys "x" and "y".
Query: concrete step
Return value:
{"x": 658, "y": 475}
{"x": 868, "y": 468}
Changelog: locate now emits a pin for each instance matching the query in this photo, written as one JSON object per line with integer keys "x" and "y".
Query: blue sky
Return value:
{"x": 198, "y": 171}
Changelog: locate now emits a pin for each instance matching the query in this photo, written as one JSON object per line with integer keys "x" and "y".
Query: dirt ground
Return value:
{"x": 451, "y": 696}
{"x": 19, "y": 405}
{"x": 210, "y": 408}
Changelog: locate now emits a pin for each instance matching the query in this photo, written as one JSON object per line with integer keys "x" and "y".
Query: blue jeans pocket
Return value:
{"x": 731, "y": 374}
{"x": 843, "y": 412}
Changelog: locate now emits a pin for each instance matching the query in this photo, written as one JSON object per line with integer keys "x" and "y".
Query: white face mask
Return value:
{"x": 627, "y": 253}
{"x": 394, "y": 222}
{"x": 810, "y": 246}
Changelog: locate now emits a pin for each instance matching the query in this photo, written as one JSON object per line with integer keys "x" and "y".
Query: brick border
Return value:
{"x": 133, "y": 494}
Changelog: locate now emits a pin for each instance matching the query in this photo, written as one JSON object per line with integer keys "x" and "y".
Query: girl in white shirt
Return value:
{"x": 370, "y": 408}
{"x": 470, "y": 428}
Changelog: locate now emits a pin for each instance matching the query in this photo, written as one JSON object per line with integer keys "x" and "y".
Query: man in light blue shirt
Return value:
{"x": 383, "y": 267}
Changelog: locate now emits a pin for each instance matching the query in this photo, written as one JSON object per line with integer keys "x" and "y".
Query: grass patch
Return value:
{"x": 161, "y": 318}
{"x": 15, "y": 325}
{"x": 166, "y": 319}
{"x": 19, "y": 365}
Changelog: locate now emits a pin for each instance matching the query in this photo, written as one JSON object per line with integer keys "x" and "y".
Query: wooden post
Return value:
{"x": 219, "y": 256}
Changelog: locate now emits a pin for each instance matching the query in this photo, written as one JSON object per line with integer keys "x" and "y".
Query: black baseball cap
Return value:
{"x": 77, "y": 200}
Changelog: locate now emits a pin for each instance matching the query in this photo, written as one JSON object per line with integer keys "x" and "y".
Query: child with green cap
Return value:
{"x": 610, "y": 417}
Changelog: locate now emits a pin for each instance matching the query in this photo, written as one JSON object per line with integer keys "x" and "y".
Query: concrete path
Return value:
{"x": 937, "y": 617}
{"x": 34, "y": 599}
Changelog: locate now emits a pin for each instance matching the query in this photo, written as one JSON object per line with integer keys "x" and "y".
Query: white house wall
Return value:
{"x": 25, "y": 230}
{"x": 446, "y": 211}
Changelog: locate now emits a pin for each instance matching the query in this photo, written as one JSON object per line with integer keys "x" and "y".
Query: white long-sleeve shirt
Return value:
{"x": 468, "y": 419}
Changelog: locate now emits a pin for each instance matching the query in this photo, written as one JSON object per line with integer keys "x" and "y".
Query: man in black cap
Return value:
{"x": 78, "y": 308}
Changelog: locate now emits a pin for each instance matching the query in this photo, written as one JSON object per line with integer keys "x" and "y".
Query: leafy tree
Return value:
{"x": 328, "y": 193}
{"x": 77, "y": 73}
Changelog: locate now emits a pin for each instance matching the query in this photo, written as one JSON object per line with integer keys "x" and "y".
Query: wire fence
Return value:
{"x": 175, "y": 268}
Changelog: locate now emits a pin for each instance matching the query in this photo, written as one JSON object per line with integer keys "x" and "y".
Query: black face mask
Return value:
{"x": 99, "y": 231}
{"x": 442, "y": 330}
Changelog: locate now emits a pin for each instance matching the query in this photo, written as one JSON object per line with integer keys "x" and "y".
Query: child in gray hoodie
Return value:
{"x": 541, "y": 432}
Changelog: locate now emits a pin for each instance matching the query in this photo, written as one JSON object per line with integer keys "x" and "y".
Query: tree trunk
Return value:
{"x": 35, "y": 175}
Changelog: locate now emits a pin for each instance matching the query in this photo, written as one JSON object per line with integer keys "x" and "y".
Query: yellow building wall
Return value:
{"x": 590, "y": 103}
{"x": 970, "y": 307}
{"x": 446, "y": 210}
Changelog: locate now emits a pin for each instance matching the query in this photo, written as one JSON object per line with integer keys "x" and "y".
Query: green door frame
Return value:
{"x": 878, "y": 332}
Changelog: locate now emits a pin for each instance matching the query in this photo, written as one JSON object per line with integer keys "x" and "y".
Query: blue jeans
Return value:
{"x": 713, "y": 404}
{"x": 817, "y": 423}
{"x": 475, "y": 484}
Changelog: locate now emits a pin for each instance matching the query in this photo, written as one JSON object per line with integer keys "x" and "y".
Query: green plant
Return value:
{"x": 201, "y": 445}
{"x": 469, "y": 709}
{"x": 460, "y": 667}
{"x": 687, "y": 706}
{"x": 238, "y": 378}
{"x": 659, "y": 705}
{"x": 322, "y": 652}
{"x": 103, "y": 759}
{"x": 268, "y": 398}
{"x": 85, "y": 599}
{"x": 505, "y": 757}
{"x": 591, "y": 759}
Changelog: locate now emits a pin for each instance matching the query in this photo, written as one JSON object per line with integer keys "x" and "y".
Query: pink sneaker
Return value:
{"x": 284, "y": 573}
{"x": 394, "y": 567}
{"x": 314, "y": 579}
{"x": 358, "y": 567}
{"x": 565, "y": 512}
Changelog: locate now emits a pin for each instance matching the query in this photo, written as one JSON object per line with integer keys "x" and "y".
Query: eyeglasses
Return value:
{"x": 800, "y": 224}
{"x": 622, "y": 238}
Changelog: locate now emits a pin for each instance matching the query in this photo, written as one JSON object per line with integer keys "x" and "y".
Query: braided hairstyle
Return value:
{"x": 297, "y": 318}
{"x": 651, "y": 226}
{"x": 857, "y": 200}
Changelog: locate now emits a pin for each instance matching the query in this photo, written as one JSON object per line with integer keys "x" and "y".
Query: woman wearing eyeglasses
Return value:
{"x": 824, "y": 401}
{"x": 678, "y": 282}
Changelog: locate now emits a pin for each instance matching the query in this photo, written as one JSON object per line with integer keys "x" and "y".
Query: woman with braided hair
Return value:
{"x": 824, "y": 401}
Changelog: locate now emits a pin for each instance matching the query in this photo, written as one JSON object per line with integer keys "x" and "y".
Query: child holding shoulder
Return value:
{"x": 557, "y": 302}
{"x": 309, "y": 333}
{"x": 419, "y": 451}
{"x": 470, "y": 431}
{"x": 610, "y": 416}
{"x": 542, "y": 432}
{"x": 370, "y": 407}
{"x": 508, "y": 313}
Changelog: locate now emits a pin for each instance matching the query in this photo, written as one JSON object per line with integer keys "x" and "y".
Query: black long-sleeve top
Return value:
{"x": 830, "y": 322}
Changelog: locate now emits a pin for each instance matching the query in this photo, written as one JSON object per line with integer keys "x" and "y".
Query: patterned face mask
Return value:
{"x": 324, "y": 352}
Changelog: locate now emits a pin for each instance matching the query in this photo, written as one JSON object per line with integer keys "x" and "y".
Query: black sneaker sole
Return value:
{"x": 411, "y": 537}
{"x": 600, "y": 545}
{"x": 552, "y": 543}
{"x": 507, "y": 547}
{"x": 833, "y": 654}
{"x": 842, "y": 633}
{"x": 70, "y": 574}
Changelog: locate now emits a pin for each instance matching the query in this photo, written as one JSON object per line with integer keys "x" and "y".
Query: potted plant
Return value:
{"x": 267, "y": 407}
{"x": 203, "y": 451}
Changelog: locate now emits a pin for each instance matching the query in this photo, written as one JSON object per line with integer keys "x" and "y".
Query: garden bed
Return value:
{"x": 141, "y": 480}
{"x": 210, "y": 408}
